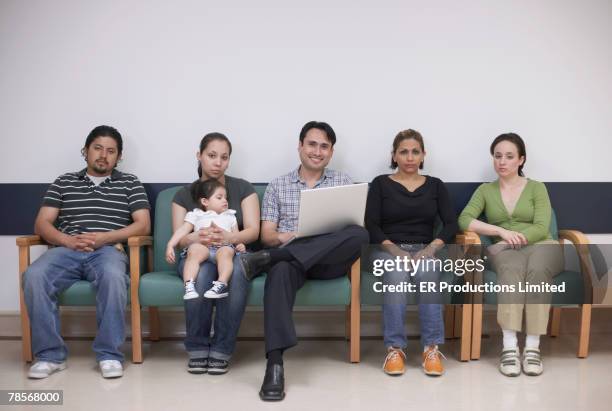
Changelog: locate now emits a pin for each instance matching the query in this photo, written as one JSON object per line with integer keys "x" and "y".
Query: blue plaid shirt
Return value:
{"x": 281, "y": 201}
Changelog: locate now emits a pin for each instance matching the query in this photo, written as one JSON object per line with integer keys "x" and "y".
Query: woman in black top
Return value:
{"x": 401, "y": 213}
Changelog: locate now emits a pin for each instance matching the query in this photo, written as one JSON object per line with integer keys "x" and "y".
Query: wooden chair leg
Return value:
{"x": 347, "y": 323}
{"x": 585, "y": 330}
{"x": 26, "y": 336}
{"x": 153, "y": 323}
{"x": 458, "y": 315}
{"x": 136, "y": 333}
{"x": 449, "y": 321}
{"x": 355, "y": 317}
{"x": 135, "y": 305}
{"x": 555, "y": 321}
{"x": 466, "y": 332}
{"x": 476, "y": 331}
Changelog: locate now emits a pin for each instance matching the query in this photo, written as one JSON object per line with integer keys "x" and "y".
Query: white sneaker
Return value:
{"x": 43, "y": 369}
{"x": 190, "y": 292}
{"x": 532, "y": 362}
{"x": 111, "y": 368}
{"x": 509, "y": 362}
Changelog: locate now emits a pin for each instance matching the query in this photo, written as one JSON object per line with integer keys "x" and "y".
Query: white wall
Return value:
{"x": 164, "y": 73}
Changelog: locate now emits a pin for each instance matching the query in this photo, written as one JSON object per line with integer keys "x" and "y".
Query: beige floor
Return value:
{"x": 318, "y": 377}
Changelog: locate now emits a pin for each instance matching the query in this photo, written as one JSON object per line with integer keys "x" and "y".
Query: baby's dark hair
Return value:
{"x": 204, "y": 189}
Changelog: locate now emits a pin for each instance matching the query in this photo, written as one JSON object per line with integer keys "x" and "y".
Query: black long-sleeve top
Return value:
{"x": 403, "y": 217}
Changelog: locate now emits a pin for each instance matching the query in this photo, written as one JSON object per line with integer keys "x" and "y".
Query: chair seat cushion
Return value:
{"x": 165, "y": 288}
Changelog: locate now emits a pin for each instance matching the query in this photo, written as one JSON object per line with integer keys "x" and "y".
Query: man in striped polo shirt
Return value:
{"x": 86, "y": 215}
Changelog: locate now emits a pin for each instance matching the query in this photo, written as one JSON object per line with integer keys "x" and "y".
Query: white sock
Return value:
{"x": 427, "y": 347}
{"x": 532, "y": 341}
{"x": 510, "y": 340}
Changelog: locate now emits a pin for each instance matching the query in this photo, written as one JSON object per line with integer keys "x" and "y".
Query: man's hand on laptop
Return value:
{"x": 284, "y": 237}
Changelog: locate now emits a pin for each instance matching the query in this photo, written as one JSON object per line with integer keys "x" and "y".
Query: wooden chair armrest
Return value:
{"x": 581, "y": 244}
{"x": 30, "y": 240}
{"x": 23, "y": 244}
{"x": 467, "y": 238}
{"x": 574, "y": 236}
{"x": 140, "y": 241}
{"x": 136, "y": 265}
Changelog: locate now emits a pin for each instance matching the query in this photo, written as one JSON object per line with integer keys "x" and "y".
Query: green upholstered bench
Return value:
{"x": 578, "y": 294}
{"x": 160, "y": 286}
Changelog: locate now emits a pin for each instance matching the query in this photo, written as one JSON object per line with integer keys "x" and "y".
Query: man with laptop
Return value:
{"x": 290, "y": 261}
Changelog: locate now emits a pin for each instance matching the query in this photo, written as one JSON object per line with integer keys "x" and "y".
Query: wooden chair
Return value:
{"x": 580, "y": 282}
{"x": 160, "y": 286}
{"x": 81, "y": 293}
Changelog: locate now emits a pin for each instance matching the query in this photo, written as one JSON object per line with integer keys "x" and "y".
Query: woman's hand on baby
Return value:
{"x": 219, "y": 236}
{"x": 241, "y": 248}
{"x": 208, "y": 236}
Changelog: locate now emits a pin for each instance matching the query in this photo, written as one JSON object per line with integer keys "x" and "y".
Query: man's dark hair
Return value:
{"x": 104, "y": 131}
{"x": 320, "y": 125}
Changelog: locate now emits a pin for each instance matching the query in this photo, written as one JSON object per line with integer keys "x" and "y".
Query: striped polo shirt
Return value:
{"x": 85, "y": 207}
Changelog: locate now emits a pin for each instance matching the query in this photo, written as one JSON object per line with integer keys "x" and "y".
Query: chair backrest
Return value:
{"x": 260, "y": 189}
{"x": 554, "y": 229}
{"x": 162, "y": 228}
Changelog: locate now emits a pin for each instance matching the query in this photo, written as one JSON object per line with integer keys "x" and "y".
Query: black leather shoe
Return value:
{"x": 254, "y": 263}
{"x": 273, "y": 387}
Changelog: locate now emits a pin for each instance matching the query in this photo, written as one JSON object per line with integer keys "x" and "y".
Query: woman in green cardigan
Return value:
{"x": 518, "y": 215}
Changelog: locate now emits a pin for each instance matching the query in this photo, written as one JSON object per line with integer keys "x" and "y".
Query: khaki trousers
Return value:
{"x": 533, "y": 264}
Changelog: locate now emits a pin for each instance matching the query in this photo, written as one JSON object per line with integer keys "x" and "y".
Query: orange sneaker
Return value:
{"x": 432, "y": 363}
{"x": 394, "y": 362}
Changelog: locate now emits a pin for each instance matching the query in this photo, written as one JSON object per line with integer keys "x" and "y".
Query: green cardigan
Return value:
{"x": 531, "y": 216}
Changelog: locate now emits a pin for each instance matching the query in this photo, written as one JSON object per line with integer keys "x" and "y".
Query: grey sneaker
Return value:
{"x": 217, "y": 367}
{"x": 111, "y": 368}
{"x": 43, "y": 369}
{"x": 532, "y": 362}
{"x": 509, "y": 363}
{"x": 197, "y": 366}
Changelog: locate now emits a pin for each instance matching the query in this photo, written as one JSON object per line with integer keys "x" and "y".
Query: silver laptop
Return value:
{"x": 328, "y": 209}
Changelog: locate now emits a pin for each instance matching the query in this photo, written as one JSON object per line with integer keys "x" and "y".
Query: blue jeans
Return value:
{"x": 229, "y": 312}
{"x": 394, "y": 307}
{"x": 55, "y": 271}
